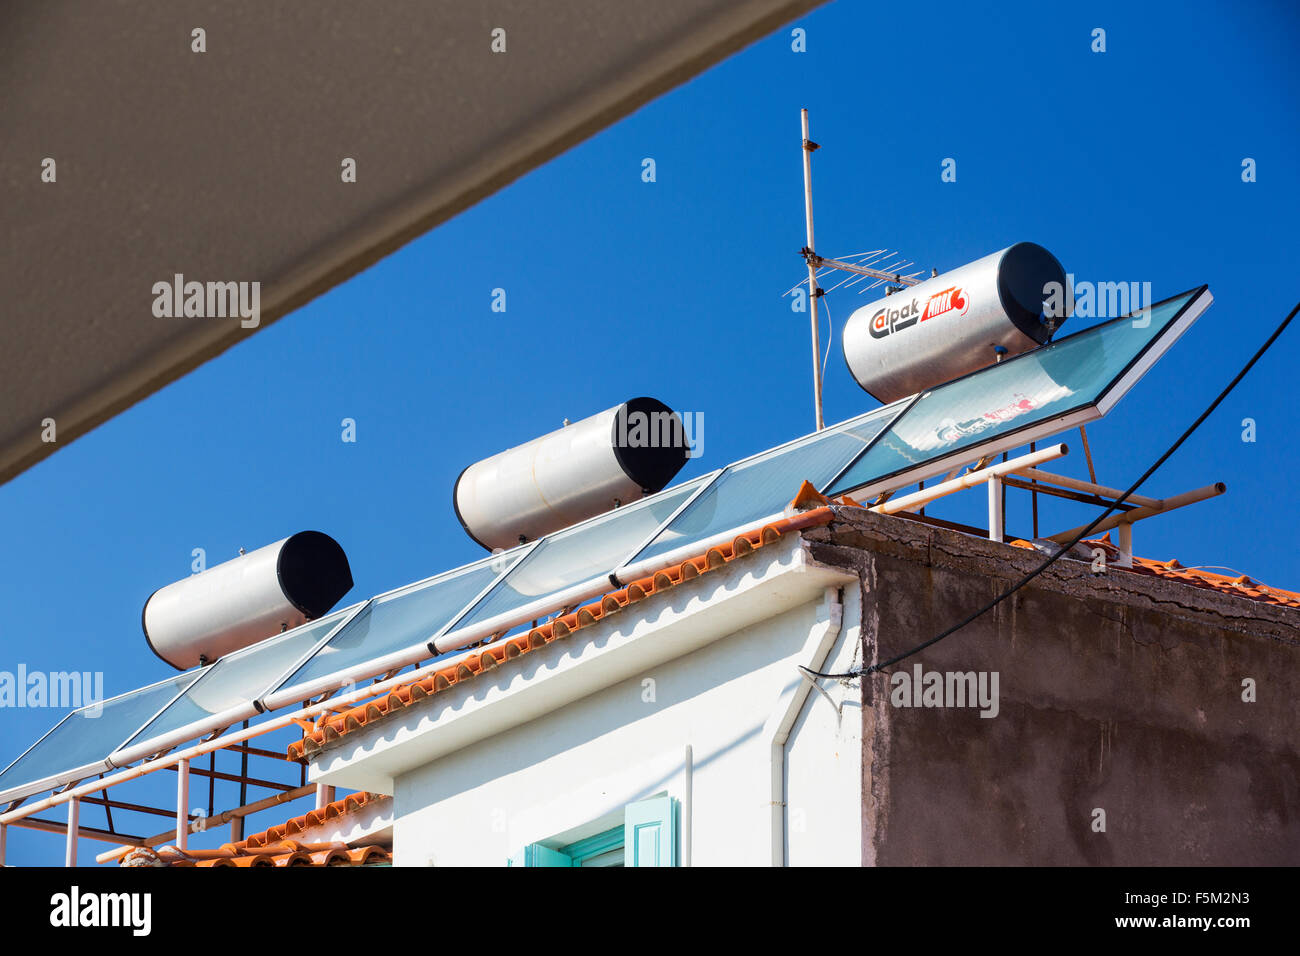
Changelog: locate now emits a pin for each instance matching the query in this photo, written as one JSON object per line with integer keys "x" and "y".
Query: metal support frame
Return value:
{"x": 233, "y": 817}
{"x": 243, "y": 781}
{"x": 995, "y": 509}
{"x": 1137, "y": 514}
{"x": 83, "y": 832}
{"x": 182, "y": 804}
{"x": 1023, "y": 472}
{"x": 970, "y": 479}
{"x": 1125, "y": 545}
{"x": 74, "y": 820}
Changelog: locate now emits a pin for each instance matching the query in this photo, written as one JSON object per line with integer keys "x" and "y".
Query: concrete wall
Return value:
{"x": 1118, "y": 692}
{"x": 569, "y": 774}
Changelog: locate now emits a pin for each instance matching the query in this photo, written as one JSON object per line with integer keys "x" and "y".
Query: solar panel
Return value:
{"x": 393, "y": 629}
{"x": 224, "y": 693}
{"x": 585, "y": 552}
{"x": 1069, "y": 382}
{"x": 1072, "y": 381}
{"x": 78, "y": 746}
{"x": 758, "y": 487}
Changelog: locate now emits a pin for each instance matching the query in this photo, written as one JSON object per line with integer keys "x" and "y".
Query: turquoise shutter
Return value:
{"x": 650, "y": 833}
{"x": 537, "y": 855}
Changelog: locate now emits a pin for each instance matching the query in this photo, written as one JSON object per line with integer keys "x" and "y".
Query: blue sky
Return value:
{"x": 1126, "y": 164}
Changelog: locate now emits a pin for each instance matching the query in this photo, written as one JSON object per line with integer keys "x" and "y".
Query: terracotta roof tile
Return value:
{"x": 1172, "y": 570}
{"x": 332, "y": 726}
{"x": 239, "y": 855}
{"x": 815, "y": 510}
{"x": 331, "y": 811}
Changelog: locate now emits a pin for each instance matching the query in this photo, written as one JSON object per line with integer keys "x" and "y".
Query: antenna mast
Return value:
{"x": 813, "y": 291}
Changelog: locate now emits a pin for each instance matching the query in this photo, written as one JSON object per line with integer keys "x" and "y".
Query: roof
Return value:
{"x": 332, "y": 727}
{"x": 1239, "y": 585}
{"x": 275, "y": 846}
{"x": 818, "y": 511}
{"x": 313, "y": 818}
{"x": 284, "y": 854}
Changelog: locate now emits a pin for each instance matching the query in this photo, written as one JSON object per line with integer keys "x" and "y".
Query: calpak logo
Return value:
{"x": 888, "y": 321}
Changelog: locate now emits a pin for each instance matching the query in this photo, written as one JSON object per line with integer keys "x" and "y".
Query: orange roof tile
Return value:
{"x": 816, "y": 511}
{"x": 1241, "y": 585}
{"x": 313, "y": 818}
{"x": 332, "y": 726}
{"x": 238, "y": 855}
{"x": 1172, "y": 570}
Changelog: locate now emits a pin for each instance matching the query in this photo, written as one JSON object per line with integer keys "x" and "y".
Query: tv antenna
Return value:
{"x": 881, "y": 265}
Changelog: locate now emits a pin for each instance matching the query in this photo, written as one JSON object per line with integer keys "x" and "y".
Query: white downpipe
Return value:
{"x": 688, "y": 794}
{"x": 785, "y": 719}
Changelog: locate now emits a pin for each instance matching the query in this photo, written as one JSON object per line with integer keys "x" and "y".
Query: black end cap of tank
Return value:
{"x": 653, "y": 464}
{"x": 314, "y": 572}
{"x": 1027, "y": 268}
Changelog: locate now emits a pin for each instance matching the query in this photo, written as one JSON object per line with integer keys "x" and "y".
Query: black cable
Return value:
{"x": 1082, "y": 534}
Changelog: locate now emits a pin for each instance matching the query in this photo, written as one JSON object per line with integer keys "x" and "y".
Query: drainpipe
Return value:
{"x": 831, "y": 628}
{"x": 688, "y": 805}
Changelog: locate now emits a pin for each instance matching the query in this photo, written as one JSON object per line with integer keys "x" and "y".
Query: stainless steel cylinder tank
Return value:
{"x": 576, "y": 472}
{"x": 247, "y": 599}
{"x": 954, "y": 323}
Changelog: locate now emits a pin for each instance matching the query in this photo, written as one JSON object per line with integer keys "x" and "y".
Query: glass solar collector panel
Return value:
{"x": 759, "y": 487}
{"x": 229, "y": 688}
{"x": 79, "y": 745}
{"x": 1082, "y": 374}
{"x": 589, "y": 551}
{"x": 401, "y": 621}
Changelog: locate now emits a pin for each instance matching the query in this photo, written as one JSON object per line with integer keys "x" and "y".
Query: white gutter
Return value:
{"x": 782, "y": 722}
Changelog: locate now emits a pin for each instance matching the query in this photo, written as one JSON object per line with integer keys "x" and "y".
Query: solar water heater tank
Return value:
{"x": 576, "y": 472}
{"x": 246, "y": 599}
{"x": 954, "y": 323}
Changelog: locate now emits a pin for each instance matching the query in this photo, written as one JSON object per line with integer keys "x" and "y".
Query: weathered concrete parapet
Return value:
{"x": 1139, "y": 720}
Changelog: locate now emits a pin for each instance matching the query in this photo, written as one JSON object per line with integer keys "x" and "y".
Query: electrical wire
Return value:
{"x": 874, "y": 668}
{"x": 830, "y": 337}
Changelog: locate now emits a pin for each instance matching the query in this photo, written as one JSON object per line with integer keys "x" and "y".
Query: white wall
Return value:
{"x": 824, "y": 761}
{"x": 568, "y": 774}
